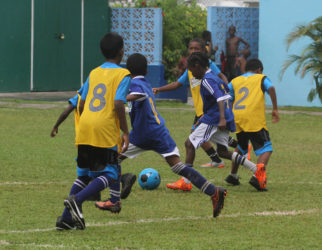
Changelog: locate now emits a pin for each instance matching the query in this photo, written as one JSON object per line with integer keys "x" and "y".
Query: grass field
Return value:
{"x": 36, "y": 173}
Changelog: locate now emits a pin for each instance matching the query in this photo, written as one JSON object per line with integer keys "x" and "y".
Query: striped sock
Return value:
{"x": 97, "y": 185}
{"x": 195, "y": 177}
{"x": 239, "y": 159}
{"x": 114, "y": 190}
{"x": 80, "y": 183}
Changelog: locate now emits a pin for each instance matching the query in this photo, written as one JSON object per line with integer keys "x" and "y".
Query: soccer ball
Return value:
{"x": 149, "y": 179}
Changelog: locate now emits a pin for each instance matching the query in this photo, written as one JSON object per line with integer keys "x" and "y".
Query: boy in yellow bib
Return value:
{"x": 248, "y": 94}
{"x": 102, "y": 116}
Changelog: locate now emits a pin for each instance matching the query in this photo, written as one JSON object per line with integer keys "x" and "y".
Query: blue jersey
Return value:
{"x": 147, "y": 124}
{"x": 213, "y": 90}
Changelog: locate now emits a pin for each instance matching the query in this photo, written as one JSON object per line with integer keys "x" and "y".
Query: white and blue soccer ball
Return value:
{"x": 149, "y": 179}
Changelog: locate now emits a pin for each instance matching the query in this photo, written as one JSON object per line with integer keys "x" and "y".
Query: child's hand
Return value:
{"x": 275, "y": 116}
{"x": 222, "y": 124}
{"x": 155, "y": 90}
{"x": 125, "y": 142}
{"x": 54, "y": 132}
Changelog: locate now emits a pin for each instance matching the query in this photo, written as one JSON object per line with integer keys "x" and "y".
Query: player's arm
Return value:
{"x": 223, "y": 77}
{"x": 222, "y": 119}
{"x": 168, "y": 87}
{"x": 83, "y": 92}
{"x": 61, "y": 118}
{"x": 71, "y": 106}
{"x": 217, "y": 71}
{"x": 244, "y": 42}
{"x": 120, "y": 112}
{"x": 272, "y": 94}
{"x": 135, "y": 97}
{"x": 119, "y": 101}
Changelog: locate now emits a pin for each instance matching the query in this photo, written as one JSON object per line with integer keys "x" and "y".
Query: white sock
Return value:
{"x": 234, "y": 175}
{"x": 186, "y": 180}
{"x": 238, "y": 159}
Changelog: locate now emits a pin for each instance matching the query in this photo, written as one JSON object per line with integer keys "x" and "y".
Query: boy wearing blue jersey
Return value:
{"x": 149, "y": 133}
{"x": 218, "y": 118}
{"x": 188, "y": 80}
{"x": 248, "y": 96}
{"x": 102, "y": 116}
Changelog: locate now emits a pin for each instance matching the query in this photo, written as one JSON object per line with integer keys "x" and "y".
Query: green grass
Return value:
{"x": 36, "y": 173}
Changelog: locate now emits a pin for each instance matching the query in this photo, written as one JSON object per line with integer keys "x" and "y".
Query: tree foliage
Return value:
{"x": 310, "y": 60}
{"x": 181, "y": 23}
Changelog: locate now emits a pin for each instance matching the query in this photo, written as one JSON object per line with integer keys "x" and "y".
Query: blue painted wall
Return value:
{"x": 277, "y": 19}
{"x": 219, "y": 19}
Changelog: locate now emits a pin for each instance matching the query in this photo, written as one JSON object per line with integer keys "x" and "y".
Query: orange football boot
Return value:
{"x": 180, "y": 184}
{"x": 261, "y": 175}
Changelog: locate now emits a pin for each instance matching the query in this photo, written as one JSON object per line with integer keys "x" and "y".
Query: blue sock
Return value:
{"x": 195, "y": 177}
{"x": 114, "y": 190}
{"x": 97, "y": 185}
{"x": 80, "y": 183}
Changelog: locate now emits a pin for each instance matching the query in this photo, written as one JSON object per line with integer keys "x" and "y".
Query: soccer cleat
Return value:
{"x": 127, "y": 182}
{"x": 213, "y": 164}
{"x": 180, "y": 184}
{"x": 76, "y": 211}
{"x": 261, "y": 175}
{"x": 62, "y": 225}
{"x": 232, "y": 180}
{"x": 255, "y": 183}
{"x": 218, "y": 200}
{"x": 108, "y": 205}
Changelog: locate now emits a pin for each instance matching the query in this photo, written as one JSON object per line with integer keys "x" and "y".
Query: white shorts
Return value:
{"x": 205, "y": 132}
{"x": 134, "y": 151}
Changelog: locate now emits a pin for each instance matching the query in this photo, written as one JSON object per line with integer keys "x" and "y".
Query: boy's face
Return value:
{"x": 197, "y": 71}
{"x": 194, "y": 47}
{"x": 232, "y": 30}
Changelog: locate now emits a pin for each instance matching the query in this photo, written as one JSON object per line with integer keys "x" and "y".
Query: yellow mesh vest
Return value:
{"x": 99, "y": 125}
{"x": 249, "y": 104}
{"x": 77, "y": 116}
{"x": 195, "y": 93}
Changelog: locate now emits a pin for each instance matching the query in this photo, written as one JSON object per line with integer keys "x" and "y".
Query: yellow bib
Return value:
{"x": 99, "y": 125}
{"x": 195, "y": 93}
{"x": 249, "y": 104}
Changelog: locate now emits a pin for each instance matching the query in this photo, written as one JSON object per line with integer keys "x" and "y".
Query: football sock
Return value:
{"x": 97, "y": 185}
{"x": 239, "y": 159}
{"x": 114, "y": 190}
{"x": 234, "y": 175}
{"x": 184, "y": 178}
{"x": 80, "y": 183}
{"x": 197, "y": 179}
{"x": 213, "y": 155}
{"x": 232, "y": 142}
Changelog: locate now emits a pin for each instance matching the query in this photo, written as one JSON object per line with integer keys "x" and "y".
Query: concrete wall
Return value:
{"x": 276, "y": 20}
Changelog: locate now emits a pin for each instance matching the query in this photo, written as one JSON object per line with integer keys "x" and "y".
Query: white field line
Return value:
{"x": 8, "y": 183}
{"x": 160, "y": 220}
{"x": 6, "y": 243}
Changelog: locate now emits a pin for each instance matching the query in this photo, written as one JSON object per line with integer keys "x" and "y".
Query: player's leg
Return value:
{"x": 215, "y": 161}
{"x": 128, "y": 179}
{"x": 65, "y": 222}
{"x": 198, "y": 137}
{"x": 263, "y": 149}
{"x": 183, "y": 183}
{"x": 217, "y": 194}
{"x": 102, "y": 163}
